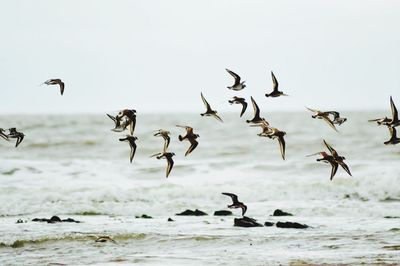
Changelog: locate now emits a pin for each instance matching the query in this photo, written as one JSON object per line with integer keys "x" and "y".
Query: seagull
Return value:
{"x": 324, "y": 116}
{"x": 393, "y": 137}
{"x": 14, "y": 134}
{"x": 209, "y": 111}
{"x": 337, "y": 120}
{"x": 165, "y": 135}
{"x": 327, "y": 159}
{"x": 237, "y": 86}
{"x": 277, "y": 134}
{"x": 339, "y": 159}
{"x": 242, "y": 101}
{"x": 56, "y": 82}
{"x": 131, "y": 139}
{"x": 275, "y": 92}
{"x": 130, "y": 116}
{"x": 168, "y": 156}
{"x": 191, "y": 137}
{"x": 236, "y": 203}
{"x": 256, "y": 119}
{"x": 3, "y": 135}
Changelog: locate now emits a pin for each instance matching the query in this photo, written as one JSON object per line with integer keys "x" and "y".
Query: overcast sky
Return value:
{"x": 159, "y": 55}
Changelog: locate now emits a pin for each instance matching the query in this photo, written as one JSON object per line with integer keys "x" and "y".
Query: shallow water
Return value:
{"x": 74, "y": 166}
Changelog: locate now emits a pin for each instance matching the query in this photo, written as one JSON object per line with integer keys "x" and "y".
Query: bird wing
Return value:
{"x": 206, "y": 103}
{"x": 330, "y": 123}
{"x": 236, "y": 76}
{"x": 282, "y": 146}
{"x": 157, "y": 154}
{"x": 244, "y": 209}
{"x": 170, "y": 164}
{"x": 334, "y": 169}
{"x": 255, "y": 107}
{"x": 335, "y": 114}
{"x": 274, "y": 82}
{"x": 395, "y": 114}
{"x": 345, "y": 167}
{"x": 217, "y": 117}
{"x": 132, "y": 125}
{"x": 61, "y": 87}
{"x": 233, "y": 197}
{"x": 244, "y": 107}
{"x": 133, "y": 149}
{"x": 331, "y": 150}
{"x": 193, "y": 145}
{"x": 19, "y": 140}
{"x": 312, "y": 110}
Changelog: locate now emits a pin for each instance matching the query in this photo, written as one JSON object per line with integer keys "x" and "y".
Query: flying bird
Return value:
{"x": 3, "y": 135}
{"x": 324, "y": 116}
{"x": 256, "y": 119}
{"x": 278, "y": 134}
{"x": 327, "y": 159}
{"x": 14, "y": 134}
{"x": 237, "y": 86}
{"x": 56, "y": 82}
{"x": 132, "y": 143}
{"x": 130, "y": 118}
{"x": 339, "y": 159}
{"x": 168, "y": 156}
{"x": 236, "y": 203}
{"x": 393, "y": 137}
{"x": 393, "y": 122}
{"x": 242, "y": 101}
{"x": 209, "y": 112}
{"x": 337, "y": 120}
{"x": 165, "y": 135}
{"x": 191, "y": 137}
{"x": 275, "y": 85}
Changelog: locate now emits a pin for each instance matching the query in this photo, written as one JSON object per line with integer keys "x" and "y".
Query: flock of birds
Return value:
{"x": 127, "y": 118}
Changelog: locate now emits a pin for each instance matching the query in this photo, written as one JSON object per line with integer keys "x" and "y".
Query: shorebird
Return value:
{"x": 130, "y": 116}
{"x": 236, "y": 203}
{"x": 381, "y": 121}
{"x": 266, "y": 129}
{"x": 168, "y": 156}
{"x": 327, "y": 159}
{"x": 191, "y": 137}
{"x": 275, "y": 92}
{"x": 237, "y": 86}
{"x": 275, "y": 133}
{"x": 256, "y": 119}
{"x": 4, "y": 136}
{"x": 14, "y": 134}
{"x": 132, "y": 143}
{"x": 56, "y": 82}
{"x": 323, "y": 115}
{"x": 242, "y": 101}
{"x": 209, "y": 112}
{"x": 165, "y": 135}
{"x": 393, "y": 137}
{"x": 393, "y": 122}
{"x": 337, "y": 120}
{"x": 339, "y": 159}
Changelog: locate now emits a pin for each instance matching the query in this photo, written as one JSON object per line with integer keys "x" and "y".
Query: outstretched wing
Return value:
{"x": 282, "y": 146}
{"x": 233, "y": 197}
{"x": 217, "y": 117}
{"x": 206, "y": 103}
{"x": 330, "y": 123}
{"x": 331, "y": 150}
{"x": 274, "y": 82}
{"x": 193, "y": 145}
{"x": 334, "y": 169}
{"x": 244, "y": 107}
{"x": 236, "y": 77}
{"x": 170, "y": 164}
{"x": 312, "y": 110}
{"x": 345, "y": 167}
{"x": 395, "y": 114}
{"x": 255, "y": 107}
{"x": 62, "y": 85}
{"x": 133, "y": 149}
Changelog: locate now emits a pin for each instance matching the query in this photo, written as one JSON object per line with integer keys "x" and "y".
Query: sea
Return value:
{"x": 74, "y": 166}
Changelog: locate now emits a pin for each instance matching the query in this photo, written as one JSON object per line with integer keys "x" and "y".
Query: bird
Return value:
{"x": 130, "y": 118}
{"x": 236, "y": 203}
{"x": 191, "y": 137}
{"x": 168, "y": 156}
{"x": 238, "y": 100}
{"x": 275, "y": 133}
{"x": 14, "y": 134}
{"x": 393, "y": 137}
{"x": 237, "y": 86}
{"x": 256, "y": 119}
{"x": 327, "y": 159}
{"x": 266, "y": 129}
{"x": 275, "y": 92}
{"x": 209, "y": 111}
{"x": 132, "y": 143}
{"x": 324, "y": 116}
{"x": 393, "y": 122}
{"x": 381, "y": 121}
{"x": 165, "y": 135}
{"x": 3, "y": 135}
{"x": 337, "y": 120}
{"x": 339, "y": 159}
{"x": 56, "y": 82}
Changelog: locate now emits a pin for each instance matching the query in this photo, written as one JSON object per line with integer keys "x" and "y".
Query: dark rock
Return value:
{"x": 279, "y": 212}
{"x": 20, "y": 221}
{"x": 291, "y": 225}
{"x": 222, "y": 213}
{"x": 144, "y": 216}
{"x": 54, "y": 219}
{"x": 170, "y": 220}
{"x": 70, "y": 220}
{"x": 40, "y": 220}
{"x": 268, "y": 224}
{"x": 246, "y": 222}
{"x": 192, "y": 213}
{"x": 391, "y": 217}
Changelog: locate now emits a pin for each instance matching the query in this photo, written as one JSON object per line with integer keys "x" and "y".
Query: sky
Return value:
{"x": 157, "y": 56}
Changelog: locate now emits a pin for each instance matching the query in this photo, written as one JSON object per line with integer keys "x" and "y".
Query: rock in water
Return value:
{"x": 279, "y": 212}
{"x": 144, "y": 216}
{"x": 54, "y": 219}
{"x": 291, "y": 225}
{"x": 192, "y": 213}
{"x": 222, "y": 213}
{"x": 170, "y": 220}
{"x": 246, "y": 222}
{"x": 268, "y": 224}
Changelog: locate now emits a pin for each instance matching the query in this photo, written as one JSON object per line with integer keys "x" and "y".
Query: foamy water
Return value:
{"x": 74, "y": 166}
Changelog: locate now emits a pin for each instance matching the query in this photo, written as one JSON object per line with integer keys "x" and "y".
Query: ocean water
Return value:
{"x": 74, "y": 166}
